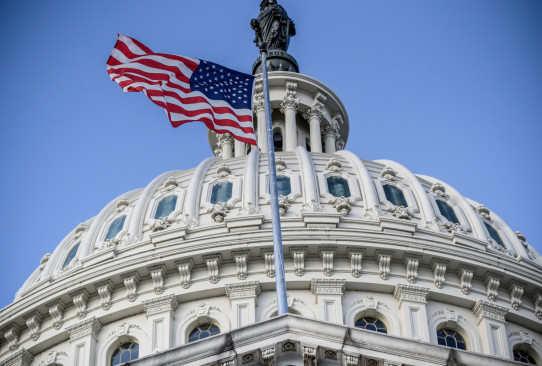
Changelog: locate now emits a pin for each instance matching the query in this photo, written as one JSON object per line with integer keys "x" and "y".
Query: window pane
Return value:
{"x": 494, "y": 234}
{"x": 115, "y": 227}
{"x": 126, "y": 352}
{"x": 372, "y": 324}
{"x": 283, "y": 185}
{"x": 221, "y": 192}
{"x": 395, "y": 195}
{"x": 450, "y": 338}
{"x": 524, "y": 357}
{"x": 338, "y": 187}
{"x": 165, "y": 207}
{"x": 447, "y": 211}
{"x": 71, "y": 255}
{"x": 203, "y": 331}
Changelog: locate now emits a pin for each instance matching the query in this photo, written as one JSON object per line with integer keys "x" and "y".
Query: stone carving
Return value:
{"x": 51, "y": 358}
{"x": 298, "y": 256}
{"x": 484, "y": 212}
{"x": 330, "y": 130}
{"x": 242, "y": 290}
{"x": 12, "y": 336}
{"x": 342, "y": 205}
{"x": 351, "y": 360}
{"x": 400, "y": 212}
{"x": 158, "y": 274}
{"x": 105, "y": 291}
{"x": 188, "y": 221}
{"x": 185, "y": 271}
{"x": 273, "y": 26}
{"x": 312, "y": 206}
{"x": 269, "y": 260}
{"x": 33, "y": 322}
{"x": 332, "y": 355}
{"x": 327, "y": 261}
{"x": 202, "y": 310}
{"x": 374, "y": 213}
{"x": 410, "y": 293}
{"x": 384, "y": 261}
{"x": 438, "y": 189}
{"x": 309, "y": 356}
{"x": 123, "y": 329}
{"x": 284, "y": 204}
{"x": 484, "y": 309}
{"x": 492, "y": 286}
{"x": 355, "y": 263}
{"x": 465, "y": 276}
{"x": 388, "y": 173}
{"x": 227, "y": 363}
{"x": 248, "y": 358}
{"x": 223, "y": 170}
{"x": 340, "y": 144}
{"x": 280, "y": 164}
{"x": 538, "y": 305}
{"x": 213, "y": 264}
{"x": 161, "y": 223}
{"x": 131, "y": 280}
{"x": 439, "y": 271}
{"x": 268, "y": 356}
{"x": 249, "y": 209}
{"x": 219, "y": 211}
{"x": 80, "y": 230}
{"x": 520, "y": 236}
{"x": 328, "y": 286}
{"x": 20, "y": 358}
{"x": 56, "y": 310}
{"x": 290, "y": 101}
{"x": 372, "y": 362}
{"x": 334, "y": 165}
{"x": 168, "y": 303}
{"x": 315, "y": 111}
{"x": 88, "y": 327}
{"x": 412, "y": 269}
{"x": 450, "y": 227}
{"x": 288, "y": 347}
{"x": 170, "y": 183}
{"x": 44, "y": 260}
{"x": 241, "y": 260}
{"x": 516, "y": 292}
{"x": 80, "y": 300}
{"x": 122, "y": 204}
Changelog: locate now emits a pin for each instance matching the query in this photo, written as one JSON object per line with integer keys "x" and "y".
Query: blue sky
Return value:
{"x": 450, "y": 89}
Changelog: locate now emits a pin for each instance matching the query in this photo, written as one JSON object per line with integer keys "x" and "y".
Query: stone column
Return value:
{"x": 491, "y": 323}
{"x": 412, "y": 301}
{"x": 329, "y": 294}
{"x": 289, "y": 108}
{"x": 259, "y": 108}
{"x": 331, "y": 134}
{"x": 160, "y": 315}
{"x": 315, "y": 115}
{"x": 240, "y": 148}
{"x": 83, "y": 338}
{"x": 243, "y": 298}
{"x": 225, "y": 143}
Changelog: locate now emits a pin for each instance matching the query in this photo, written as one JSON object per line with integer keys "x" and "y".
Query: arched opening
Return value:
{"x": 125, "y": 352}
{"x": 371, "y": 323}
{"x": 202, "y": 331}
{"x": 277, "y": 139}
{"x": 451, "y": 338}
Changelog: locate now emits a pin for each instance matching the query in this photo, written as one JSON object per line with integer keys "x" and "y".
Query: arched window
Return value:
{"x": 494, "y": 234}
{"x": 395, "y": 195}
{"x": 451, "y": 338}
{"x": 221, "y": 192}
{"x": 71, "y": 255}
{"x": 371, "y": 323}
{"x": 523, "y": 356}
{"x": 165, "y": 207}
{"x": 203, "y": 331}
{"x": 338, "y": 186}
{"x": 277, "y": 139}
{"x": 124, "y": 353}
{"x": 447, "y": 211}
{"x": 283, "y": 185}
{"x": 115, "y": 227}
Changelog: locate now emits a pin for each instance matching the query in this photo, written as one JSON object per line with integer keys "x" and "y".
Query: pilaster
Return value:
{"x": 243, "y": 299}
{"x": 491, "y": 323}
{"x": 160, "y": 315}
{"x": 20, "y": 358}
{"x": 412, "y": 304}
{"x": 329, "y": 294}
{"x": 83, "y": 339}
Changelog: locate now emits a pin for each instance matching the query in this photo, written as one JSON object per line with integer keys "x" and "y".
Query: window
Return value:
{"x": 395, "y": 195}
{"x": 370, "y": 323}
{"x": 338, "y": 186}
{"x": 71, "y": 255}
{"x": 450, "y": 338}
{"x": 124, "y": 353}
{"x": 203, "y": 331}
{"x": 165, "y": 207}
{"x": 283, "y": 185}
{"x": 494, "y": 234}
{"x": 277, "y": 139}
{"x": 221, "y": 192}
{"x": 447, "y": 211}
{"x": 115, "y": 227}
{"x": 522, "y": 356}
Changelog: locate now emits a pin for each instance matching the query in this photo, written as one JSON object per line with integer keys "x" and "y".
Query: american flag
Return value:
{"x": 187, "y": 88}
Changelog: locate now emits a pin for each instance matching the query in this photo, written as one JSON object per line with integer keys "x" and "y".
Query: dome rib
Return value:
{"x": 310, "y": 186}
{"x": 251, "y": 178}
{"x": 191, "y": 208}
{"x": 368, "y": 188}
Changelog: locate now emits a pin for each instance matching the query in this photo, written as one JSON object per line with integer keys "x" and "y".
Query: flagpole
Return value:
{"x": 282, "y": 303}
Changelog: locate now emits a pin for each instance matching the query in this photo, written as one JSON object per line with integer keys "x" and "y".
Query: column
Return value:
{"x": 329, "y": 294}
{"x": 160, "y": 315}
{"x": 240, "y": 148}
{"x": 315, "y": 114}
{"x": 289, "y": 108}
{"x": 20, "y": 358}
{"x": 225, "y": 143}
{"x": 83, "y": 338}
{"x": 243, "y": 299}
{"x": 491, "y": 323}
{"x": 259, "y": 108}
{"x": 331, "y": 134}
{"x": 412, "y": 301}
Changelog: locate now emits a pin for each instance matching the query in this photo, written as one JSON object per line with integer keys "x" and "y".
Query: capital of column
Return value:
{"x": 88, "y": 327}
{"x": 330, "y": 131}
{"x": 289, "y": 102}
{"x": 161, "y": 304}
{"x": 242, "y": 290}
{"x": 224, "y": 138}
{"x": 328, "y": 286}
{"x": 484, "y": 309}
{"x": 258, "y": 104}
{"x": 315, "y": 111}
{"x": 410, "y": 293}
{"x": 20, "y": 358}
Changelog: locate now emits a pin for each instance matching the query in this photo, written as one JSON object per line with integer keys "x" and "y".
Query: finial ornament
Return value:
{"x": 273, "y": 26}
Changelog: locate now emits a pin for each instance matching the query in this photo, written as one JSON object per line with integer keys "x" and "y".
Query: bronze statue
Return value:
{"x": 273, "y": 27}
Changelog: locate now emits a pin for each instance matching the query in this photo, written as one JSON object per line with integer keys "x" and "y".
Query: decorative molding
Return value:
{"x": 327, "y": 260}
{"x": 284, "y": 204}
{"x": 163, "y": 304}
{"x": 351, "y": 360}
{"x": 334, "y": 165}
{"x": 384, "y": 262}
{"x": 80, "y": 300}
{"x": 56, "y": 310}
{"x": 438, "y": 189}
{"x": 170, "y": 183}
{"x": 80, "y": 230}
{"x": 492, "y": 287}
{"x": 290, "y": 101}
{"x": 400, "y": 212}
{"x": 411, "y": 264}
{"x": 248, "y": 358}
{"x": 411, "y": 293}
{"x": 249, "y": 209}
{"x": 298, "y": 255}
{"x": 312, "y": 206}
{"x": 483, "y": 309}
{"x": 280, "y": 164}
{"x": 328, "y": 286}
{"x": 342, "y": 205}
{"x": 242, "y": 290}
{"x": 309, "y": 355}
{"x": 268, "y": 356}
{"x": 11, "y": 334}
{"x": 185, "y": 271}
{"x": 131, "y": 280}
{"x": 484, "y": 212}
{"x": 371, "y": 362}
{"x": 289, "y": 346}
{"x": 537, "y": 300}
{"x": 223, "y": 170}
{"x": 33, "y": 322}
{"x": 439, "y": 273}
{"x": 85, "y": 328}
{"x": 516, "y": 292}
{"x": 161, "y": 223}
{"x": 213, "y": 265}
{"x": 388, "y": 173}
{"x": 20, "y": 358}
{"x": 355, "y": 257}
{"x": 269, "y": 260}
{"x": 241, "y": 264}
{"x": 465, "y": 276}
{"x": 330, "y": 355}
{"x": 105, "y": 291}
{"x": 122, "y": 204}
{"x": 158, "y": 275}
{"x": 51, "y": 358}
{"x": 219, "y": 211}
